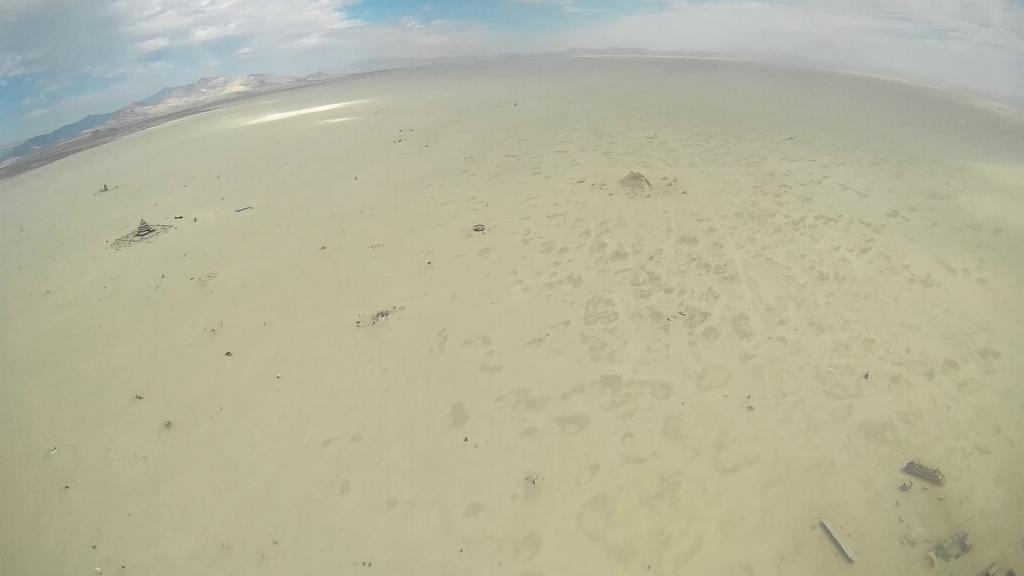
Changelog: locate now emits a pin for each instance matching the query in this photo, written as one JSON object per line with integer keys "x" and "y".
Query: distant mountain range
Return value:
{"x": 165, "y": 101}
{"x": 178, "y": 100}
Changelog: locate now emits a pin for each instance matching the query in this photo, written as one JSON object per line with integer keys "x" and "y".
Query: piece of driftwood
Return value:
{"x": 835, "y": 540}
{"x": 933, "y": 475}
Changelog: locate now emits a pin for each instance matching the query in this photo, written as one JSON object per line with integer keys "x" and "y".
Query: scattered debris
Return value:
{"x": 105, "y": 189}
{"x": 144, "y": 231}
{"x": 998, "y": 569}
{"x": 178, "y": 217}
{"x": 933, "y": 475}
{"x": 867, "y": 374}
{"x": 52, "y": 451}
{"x": 243, "y": 209}
{"x": 140, "y": 397}
{"x": 478, "y": 228}
{"x": 203, "y": 280}
{"x": 951, "y": 548}
{"x": 377, "y": 317}
{"x": 906, "y": 486}
{"x": 835, "y": 540}
{"x": 229, "y": 354}
{"x": 636, "y": 181}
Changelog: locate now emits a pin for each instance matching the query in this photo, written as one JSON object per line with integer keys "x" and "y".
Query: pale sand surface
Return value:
{"x": 566, "y": 392}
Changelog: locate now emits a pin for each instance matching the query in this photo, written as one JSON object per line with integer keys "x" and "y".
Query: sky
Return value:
{"x": 61, "y": 60}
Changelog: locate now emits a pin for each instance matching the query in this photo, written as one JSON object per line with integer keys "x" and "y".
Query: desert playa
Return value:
{"x": 535, "y": 316}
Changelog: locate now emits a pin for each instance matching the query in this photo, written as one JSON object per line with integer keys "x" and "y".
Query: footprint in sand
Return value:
{"x": 528, "y": 547}
{"x": 458, "y": 415}
{"x": 574, "y": 424}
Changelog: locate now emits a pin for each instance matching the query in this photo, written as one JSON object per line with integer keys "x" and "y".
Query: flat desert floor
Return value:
{"x": 536, "y": 316}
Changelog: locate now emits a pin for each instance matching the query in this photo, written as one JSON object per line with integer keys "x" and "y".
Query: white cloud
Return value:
{"x": 268, "y": 24}
{"x": 133, "y": 47}
{"x": 155, "y": 43}
{"x": 56, "y": 35}
{"x": 11, "y": 65}
{"x": 974, "y": 44}
{"x": 38, "y": 112}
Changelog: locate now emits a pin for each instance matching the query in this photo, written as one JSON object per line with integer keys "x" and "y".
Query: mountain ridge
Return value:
{"x": 166, "y": 100}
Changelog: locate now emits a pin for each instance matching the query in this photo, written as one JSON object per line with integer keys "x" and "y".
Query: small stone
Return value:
{"x": 168, "y": 423}
{"x": 228, "y": 354}
{"x": 750, "y": 408}
{"x": 140, "y": 397}
{"x": 906, "y": 486}
{"x": 478, "y": 228}
{"x": 98, "y": 570}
